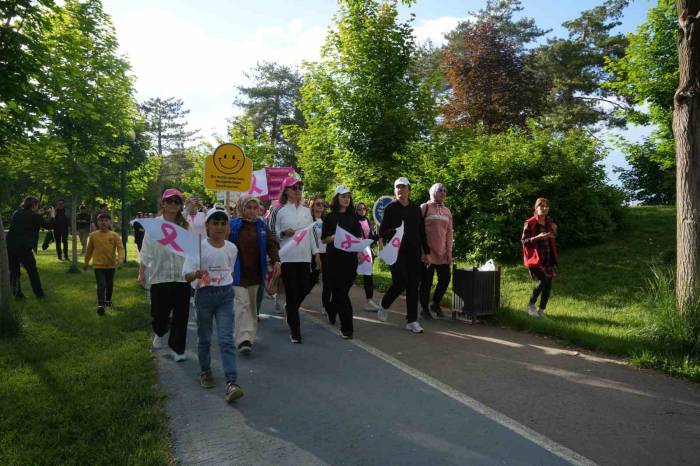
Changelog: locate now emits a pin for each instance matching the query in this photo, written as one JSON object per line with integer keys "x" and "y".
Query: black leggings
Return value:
{"x": 368, "y": 281}
{"x": 543, "y": 287}
{"x": 167, "y": 297}
{"x": 296, "y": 277}
{"x": 426, "y": 283}
{"x": 105, "y": 286}
{"x": 326, "y": 287}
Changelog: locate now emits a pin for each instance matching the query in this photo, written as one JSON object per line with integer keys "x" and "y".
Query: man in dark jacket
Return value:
{"x": 60, "y": 229}
{"x": 413, "y": 253}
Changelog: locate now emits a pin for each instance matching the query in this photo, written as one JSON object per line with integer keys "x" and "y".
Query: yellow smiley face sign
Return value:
{"x": 228, "y": 169}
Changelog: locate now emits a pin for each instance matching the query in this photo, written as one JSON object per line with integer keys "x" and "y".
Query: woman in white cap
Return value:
{"x": 342, "y": 265}
{"x": 169, "y": 290}
{"x": 292, "y": 217}
{"x": 438, "y": 229}
{"x": 413, "y": 253}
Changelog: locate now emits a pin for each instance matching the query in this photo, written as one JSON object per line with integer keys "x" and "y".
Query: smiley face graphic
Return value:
{"x": 229, "y": 159}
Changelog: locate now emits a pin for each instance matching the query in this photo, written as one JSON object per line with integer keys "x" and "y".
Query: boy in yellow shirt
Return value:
{"x": 103, "y": 247}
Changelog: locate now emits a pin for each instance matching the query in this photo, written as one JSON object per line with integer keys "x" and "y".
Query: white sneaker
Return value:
{"x": 160, "y": 342}
{"x": 382, "y": 314}
{"x": 178, "y": 357}
{"x": 414, "y": 327}
{"x": 532, "y": 310}
{"x": 371, "y": 306}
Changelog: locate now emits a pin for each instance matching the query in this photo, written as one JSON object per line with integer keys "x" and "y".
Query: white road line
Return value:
{"x": 511, "y": 424}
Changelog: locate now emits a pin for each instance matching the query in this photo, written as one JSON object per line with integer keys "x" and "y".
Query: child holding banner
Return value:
{"x": 211, "y": 276}
{"x": 169, "y": 291}
{"x": 292, "y": 224}
{"x": 342, "y": 262}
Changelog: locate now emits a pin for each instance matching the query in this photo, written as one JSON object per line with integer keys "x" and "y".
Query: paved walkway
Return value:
{"x": 458, "y": 394}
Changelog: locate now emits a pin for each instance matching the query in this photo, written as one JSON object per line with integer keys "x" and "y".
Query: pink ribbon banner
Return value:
{"x": 391, "y": 251}
{"x": 172, "y": 237}
{"x": 348, "y": 242}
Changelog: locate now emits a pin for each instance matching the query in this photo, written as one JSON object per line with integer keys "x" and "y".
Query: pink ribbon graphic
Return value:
{"x": 254, "y": 188}
{"x": 299, "y": 236}
{"x": 366, "y": 258}
{"x": 348, "y": 242}
{"x": 169, "y": 237}
{"x": 396, "y": 242}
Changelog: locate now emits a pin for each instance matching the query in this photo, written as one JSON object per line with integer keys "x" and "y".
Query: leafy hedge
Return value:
{"x": 493, "y": 181}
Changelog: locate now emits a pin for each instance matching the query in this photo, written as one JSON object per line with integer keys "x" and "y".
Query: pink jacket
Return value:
{"x": 438, "y": 229}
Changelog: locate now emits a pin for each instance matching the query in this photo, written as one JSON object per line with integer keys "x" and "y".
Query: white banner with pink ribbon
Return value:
{"x": 391, "y": 250}
{"x": 173, "y": 237}
{"x": 300, "y": 241}
{"x": 258, "y": 183}
{"x": 365, "y": 263}
{"x": 346, "y": 241}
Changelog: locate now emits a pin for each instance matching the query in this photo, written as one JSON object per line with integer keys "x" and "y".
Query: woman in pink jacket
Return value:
{"x": 439, "y": 231}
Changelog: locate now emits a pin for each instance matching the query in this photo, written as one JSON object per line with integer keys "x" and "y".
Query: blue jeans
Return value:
{"x": 216, "y": 302}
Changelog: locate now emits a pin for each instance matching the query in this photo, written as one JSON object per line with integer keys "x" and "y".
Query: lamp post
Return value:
{"x": 131, "y": 136}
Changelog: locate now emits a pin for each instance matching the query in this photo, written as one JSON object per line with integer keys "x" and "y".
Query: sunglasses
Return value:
{"x": 401, "y": 186}
{"x": 319, "y": 204}
{"x": 173, "y": 200}
{"x": 296, "y": 187}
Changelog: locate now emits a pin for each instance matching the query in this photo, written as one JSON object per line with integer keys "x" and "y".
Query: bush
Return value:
{"x": 493, "y": 181}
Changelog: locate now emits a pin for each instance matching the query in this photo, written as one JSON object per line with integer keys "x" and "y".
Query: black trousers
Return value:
{"x": 296, "y": 277}
{"x": 426, "y": 283}
{"x": 167, "y": 297}
{"x": 313, "y": 280}
{"x": 342, "y": 269}
{"x": 405, "y": 275}
{"x": 61, "y": 238}
{"x": 368, "y": 281}
{"x": 105, "y": 286}
{"x": 24, "y": 257}
{"x": 543, "y": 288}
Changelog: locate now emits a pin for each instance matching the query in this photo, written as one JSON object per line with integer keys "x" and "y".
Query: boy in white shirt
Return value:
{"x": 213, "y": 281}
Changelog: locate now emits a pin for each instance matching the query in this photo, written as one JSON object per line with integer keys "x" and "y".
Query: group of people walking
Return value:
{"x": 241, "y": 256}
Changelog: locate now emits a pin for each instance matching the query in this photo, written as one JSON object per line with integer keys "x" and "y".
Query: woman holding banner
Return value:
{"x": 368, "y": 232}
{"x": 169, "y": 290}
{"x": 292, "y": 226}
{"x": 318, "y": 211}
{"x": 342, "y": 265}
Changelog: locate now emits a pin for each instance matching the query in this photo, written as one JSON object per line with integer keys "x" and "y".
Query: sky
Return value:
{"x": 200, "y": 50}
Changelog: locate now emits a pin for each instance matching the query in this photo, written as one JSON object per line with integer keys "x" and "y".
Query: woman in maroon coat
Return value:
{"x": 540, "y": 254}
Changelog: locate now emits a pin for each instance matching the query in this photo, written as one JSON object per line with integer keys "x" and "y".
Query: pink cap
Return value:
{"x": 171, "y": 192}
{"x": 290, "y": 181}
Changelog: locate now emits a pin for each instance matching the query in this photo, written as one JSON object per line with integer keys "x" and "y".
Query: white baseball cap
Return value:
{"x": 402, "y": 180}
{"x": 342, "y": 189}
{"x": 213, "y": 210}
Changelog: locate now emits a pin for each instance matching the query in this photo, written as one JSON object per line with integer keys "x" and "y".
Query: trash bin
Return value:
{"x": 475, "y": 293}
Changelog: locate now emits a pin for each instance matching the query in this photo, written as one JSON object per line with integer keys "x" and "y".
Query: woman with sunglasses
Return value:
{"x": 293, "y": 217}
{"x": 169, "y": 290}
{"x": 368, "y": 232}
{"x": 318, "y": 212}
{"x": 342, "y": 265}
{"x": 439, "y": 233}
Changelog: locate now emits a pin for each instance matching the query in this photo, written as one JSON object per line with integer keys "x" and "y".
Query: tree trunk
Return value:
{"x": 74, "y": 234}
{"x": 5, "y": 288}
{"x": 686, "y": 130}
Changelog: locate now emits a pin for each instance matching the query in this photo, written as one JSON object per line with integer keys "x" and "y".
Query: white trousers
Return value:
{"x": 245, "y": 310}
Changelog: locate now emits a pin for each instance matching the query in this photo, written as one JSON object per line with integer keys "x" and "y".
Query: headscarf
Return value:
{"x": 433, "y": 191}
{"x": 244, "y": 200}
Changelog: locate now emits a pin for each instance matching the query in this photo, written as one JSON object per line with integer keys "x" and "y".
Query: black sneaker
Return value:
{"x": 437, "y": 310}
{"x": 100, "y": 310}
{"x": 245, "y": 347}
{"x": 426, "y": 315}
{"x": 108, "y": 304}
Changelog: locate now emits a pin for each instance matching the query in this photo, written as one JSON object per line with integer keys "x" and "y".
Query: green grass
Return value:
{"x": 77, "y": 388}
{"x": 601, "y": 299}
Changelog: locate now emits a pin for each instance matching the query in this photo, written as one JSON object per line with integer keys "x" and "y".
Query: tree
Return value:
{"x": 362, "y": 104}
{"x": 166, "y": 124}
{"x": 647, "y": 76}
{"x": 491, "y": 85}
{"x": 686, "y": 129}
{"x": 92, "y": 107}
{"x": 578, "y": 96}
{"x": 270, "y": 103}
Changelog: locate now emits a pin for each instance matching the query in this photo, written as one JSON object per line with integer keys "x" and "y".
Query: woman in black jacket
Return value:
{"x": 21, "y": 240}
{"x": 342, "y": 266}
